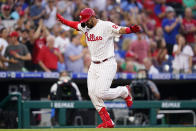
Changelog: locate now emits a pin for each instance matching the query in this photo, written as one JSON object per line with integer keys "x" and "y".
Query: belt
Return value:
{"x": 98, "y": 62}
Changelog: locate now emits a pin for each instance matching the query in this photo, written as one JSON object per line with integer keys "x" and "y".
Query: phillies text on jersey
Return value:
{"x": 100, "y": 39}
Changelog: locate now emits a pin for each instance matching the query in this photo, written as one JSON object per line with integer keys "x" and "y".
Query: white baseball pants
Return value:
{"x": 99, "y": 80}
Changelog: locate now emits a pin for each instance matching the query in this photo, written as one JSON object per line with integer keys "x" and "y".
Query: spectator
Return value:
{"x": 79, "y": 5}
{"x": 189, "y": 26}
{"x": 171, "y": 26}
{"x": 153, "y": 48}
{"x": 11, "y": 3}
{"x": 37, "y": 12}
{"x": 159, "y": 35}
{"x": 74, "y": 55}
{"x": 6, "y": 13}
{"x": 3, "y": 46}
{"x": 183, "y": 54}
{"x": 190, "y": 4}
{"x": 25, "y": 39}
{"x": 130, "y": 68}
{"x": 140, "y": 48}
{"x": 96, "y": 4}
{"x": 6, "y": 19}
{"x": 27, "y": 42}
{"x": 49, "y": 56}
{"x": 154, "y": 89}
{"x": 110, "y": 5}
{"x": 150, "y": 67}
{"x": 17, "y": 12}
{"x": 50, "y": 15}
{"x": 62, "y": 41}
{"x": 56, "y": 29}
{"x": 66, "y": 7}
{"x": 29, "y": 25}
{"x": 24, "y": 4}
{"x": 160, "y": 54}
{"x": 103, "y": 15}
{"x": 147, "y": 23}
{"x": 3, "y": 40}
{"x": 130, "y": 5}
{"x": 130, "y": 65}
{"x": 177, "y": 5}
{"x": 16, "y": 54}
{"x": 39, "y": 39}
{"x": 148, "y": 6}
{"x": 21, "y": 21}
{"x": 159, "y": 10}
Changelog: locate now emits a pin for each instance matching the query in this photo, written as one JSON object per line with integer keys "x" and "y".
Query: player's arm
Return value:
{"x": 128, "y": 30}
{"x": 73, "y": 24}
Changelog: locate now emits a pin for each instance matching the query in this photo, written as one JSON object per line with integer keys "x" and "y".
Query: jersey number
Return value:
{"x": 115, "y": 26}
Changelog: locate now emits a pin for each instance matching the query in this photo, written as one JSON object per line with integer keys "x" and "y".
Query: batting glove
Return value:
{"x": 135, "y": 28}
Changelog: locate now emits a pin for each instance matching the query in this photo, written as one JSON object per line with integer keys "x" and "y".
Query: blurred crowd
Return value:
{"x": 31, "y": 39}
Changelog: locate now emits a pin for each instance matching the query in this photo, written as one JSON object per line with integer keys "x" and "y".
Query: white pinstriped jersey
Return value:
{"x": 100, "y": 39}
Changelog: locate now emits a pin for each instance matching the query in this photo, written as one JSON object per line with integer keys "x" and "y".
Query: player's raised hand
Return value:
{"x": 135, "y": 28}
{"x": 59, "y": 18}
{"x": 73, "y": 24}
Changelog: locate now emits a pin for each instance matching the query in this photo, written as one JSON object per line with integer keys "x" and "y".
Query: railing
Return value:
{"x": 24, "y": 108}
{"x": 154, "y": 106}
{"x": 19, "y": 99}
{"x": 55, "y": 75}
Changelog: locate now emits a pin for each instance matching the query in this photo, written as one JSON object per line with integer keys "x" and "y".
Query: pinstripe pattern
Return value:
{"x": 100, "y": 77}
{"x": 101, "y": 46}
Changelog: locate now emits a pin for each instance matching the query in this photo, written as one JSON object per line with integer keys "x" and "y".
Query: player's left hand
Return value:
{"x": 135, "y": 28}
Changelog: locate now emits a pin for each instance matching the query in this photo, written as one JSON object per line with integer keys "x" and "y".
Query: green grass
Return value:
{"x": 114, "y": 129}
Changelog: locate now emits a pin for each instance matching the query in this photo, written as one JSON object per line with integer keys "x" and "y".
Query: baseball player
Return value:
{"x": 99, "y": 38}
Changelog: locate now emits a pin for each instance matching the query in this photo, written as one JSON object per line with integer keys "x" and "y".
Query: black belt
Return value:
{"x": 98, "y": 62}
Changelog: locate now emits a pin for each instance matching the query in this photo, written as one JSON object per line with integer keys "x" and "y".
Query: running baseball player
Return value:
{"x": 99, "y": 37}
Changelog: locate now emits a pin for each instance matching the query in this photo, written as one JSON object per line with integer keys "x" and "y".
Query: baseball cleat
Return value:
{"x": 128, "y": 99}
{"x": 107, "y": 124}
{"x": 105, "y": 117}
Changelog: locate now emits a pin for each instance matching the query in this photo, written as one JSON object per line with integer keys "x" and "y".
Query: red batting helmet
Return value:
{"x": 86, "y": 14}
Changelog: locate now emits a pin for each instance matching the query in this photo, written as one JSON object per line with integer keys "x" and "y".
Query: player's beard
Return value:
{"x": 89, "y": 26}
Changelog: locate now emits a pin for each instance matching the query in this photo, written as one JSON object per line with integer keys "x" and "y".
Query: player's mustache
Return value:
{"x": 88, "y": 25}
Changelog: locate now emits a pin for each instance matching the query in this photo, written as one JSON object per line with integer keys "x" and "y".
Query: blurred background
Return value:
{"x": 43, "y": 60}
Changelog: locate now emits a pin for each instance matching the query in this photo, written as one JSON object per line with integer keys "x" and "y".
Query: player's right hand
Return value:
{"x": 59, "y": 17}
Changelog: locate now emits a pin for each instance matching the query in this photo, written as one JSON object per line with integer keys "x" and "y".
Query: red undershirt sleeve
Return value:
{"x": 73, "y": 24}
